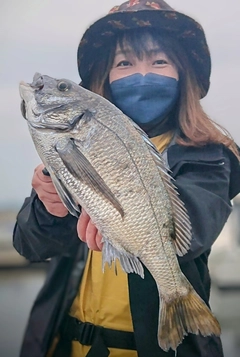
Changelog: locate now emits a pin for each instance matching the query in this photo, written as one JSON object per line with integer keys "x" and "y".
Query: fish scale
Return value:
{"x": 101, "y": 160}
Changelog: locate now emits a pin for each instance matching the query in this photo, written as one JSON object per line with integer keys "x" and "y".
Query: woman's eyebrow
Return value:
{"x": 123, "y": 52}
{"x": 151, "y": 51}
{"x": 155, "y": 50}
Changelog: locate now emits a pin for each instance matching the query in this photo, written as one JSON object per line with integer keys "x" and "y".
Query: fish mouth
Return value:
{"x": 27, "y": 89}
{"x": 23, "y": 86}
{"x": 37, "y": 84}
{"x": 23, "y": 109}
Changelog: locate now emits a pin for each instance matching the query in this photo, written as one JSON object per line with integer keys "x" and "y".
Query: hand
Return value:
{"x": 88, "y": 232}
{"x": 47, "y": 193}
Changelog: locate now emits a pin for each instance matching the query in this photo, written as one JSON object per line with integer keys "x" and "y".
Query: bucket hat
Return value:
{"x": 149, "y": 14}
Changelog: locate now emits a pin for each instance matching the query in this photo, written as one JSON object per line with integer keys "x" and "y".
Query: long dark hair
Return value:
{"x": 195, "y": 127}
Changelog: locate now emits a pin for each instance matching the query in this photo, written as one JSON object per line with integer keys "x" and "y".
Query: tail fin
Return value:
{"x": 186, "y": 314}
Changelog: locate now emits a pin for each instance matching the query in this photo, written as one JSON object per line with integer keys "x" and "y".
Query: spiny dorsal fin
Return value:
{"x": 182, "y": 224}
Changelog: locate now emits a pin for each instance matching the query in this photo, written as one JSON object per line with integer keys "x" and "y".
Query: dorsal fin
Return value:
{"x": 181, "y": 221}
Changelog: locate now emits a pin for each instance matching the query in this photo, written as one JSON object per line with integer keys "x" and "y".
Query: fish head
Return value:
{"x": 49, "y": 101}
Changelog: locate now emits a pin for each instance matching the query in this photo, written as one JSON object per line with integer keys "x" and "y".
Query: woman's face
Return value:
{"x": 155, "y": 61}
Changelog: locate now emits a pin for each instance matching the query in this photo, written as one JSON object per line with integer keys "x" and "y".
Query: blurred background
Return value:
{"x": 42, "y": 36}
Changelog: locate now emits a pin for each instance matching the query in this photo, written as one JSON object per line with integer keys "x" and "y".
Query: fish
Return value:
{"x": 100, "y": 160}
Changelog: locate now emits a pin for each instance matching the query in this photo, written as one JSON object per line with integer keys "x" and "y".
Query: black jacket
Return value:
{"x": 207, "y": 179}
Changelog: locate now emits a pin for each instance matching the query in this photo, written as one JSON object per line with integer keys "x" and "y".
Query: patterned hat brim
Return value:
{"x": 186, "y": 30}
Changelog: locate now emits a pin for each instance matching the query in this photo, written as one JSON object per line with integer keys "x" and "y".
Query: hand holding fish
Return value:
{"x": 47, "y": 193}
{"x": 88, "y": 232}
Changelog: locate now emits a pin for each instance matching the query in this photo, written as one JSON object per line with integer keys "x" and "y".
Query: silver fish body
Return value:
{"x": 99, "y": 159}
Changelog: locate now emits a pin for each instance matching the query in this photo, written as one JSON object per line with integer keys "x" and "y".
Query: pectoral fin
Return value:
{"x": 79, "y": 166}
{"x": 65, "y": 196}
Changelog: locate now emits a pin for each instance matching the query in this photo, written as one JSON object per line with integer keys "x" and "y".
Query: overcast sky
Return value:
{"x": 42, "y": 36}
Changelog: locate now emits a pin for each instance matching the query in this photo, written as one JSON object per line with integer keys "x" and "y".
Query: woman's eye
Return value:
{"x": 123, "y": 64}
{"x": 160, "y": 62}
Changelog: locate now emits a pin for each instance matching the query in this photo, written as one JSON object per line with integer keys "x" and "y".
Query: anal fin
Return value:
{"x": 129, "y": 262}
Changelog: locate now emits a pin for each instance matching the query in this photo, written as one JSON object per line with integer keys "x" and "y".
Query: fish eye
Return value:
{"x": 63, "y": 86}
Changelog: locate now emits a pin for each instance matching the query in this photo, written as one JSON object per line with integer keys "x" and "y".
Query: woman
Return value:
{"x": 153, "y": 63}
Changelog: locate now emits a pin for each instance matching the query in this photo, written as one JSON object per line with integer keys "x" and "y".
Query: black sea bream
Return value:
{"x": 100, "y": 159}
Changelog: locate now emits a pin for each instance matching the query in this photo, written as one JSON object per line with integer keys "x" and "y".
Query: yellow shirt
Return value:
{"x": 103, "y": 298}
{"x": 162, "y": 141}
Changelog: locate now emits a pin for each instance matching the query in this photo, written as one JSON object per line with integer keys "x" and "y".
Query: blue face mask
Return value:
{"x": 145, "y": 99}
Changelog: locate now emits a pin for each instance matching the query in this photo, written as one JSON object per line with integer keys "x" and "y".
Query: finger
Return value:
{"x": 56, "y": 209}
{"x": 82, "y": 225}
{"x": 38, "y": 172}
{"x": 99, "y": 241}
{"x": 49, "y": 198}
{"x": 91, "y": 233}
{"x": 49, "y": 188}
{"x": 42, "y": 187}
{"x": 38, "y": 183}
{"x": 39, "y": 167}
